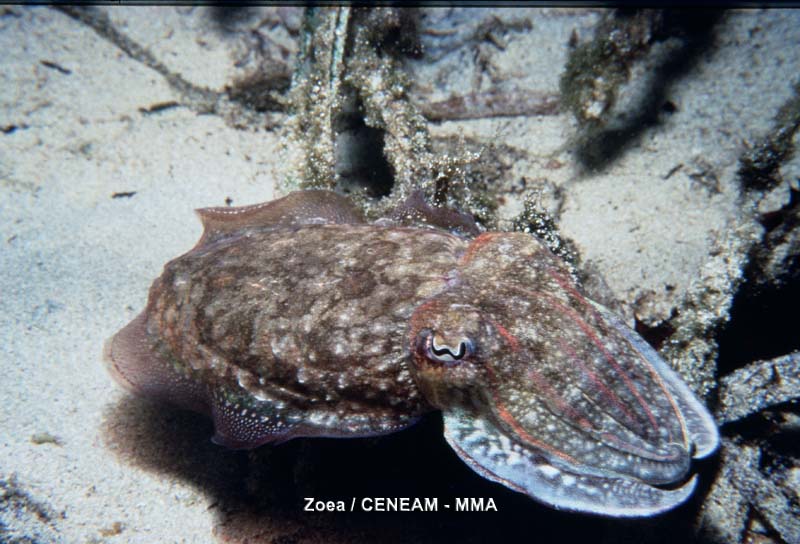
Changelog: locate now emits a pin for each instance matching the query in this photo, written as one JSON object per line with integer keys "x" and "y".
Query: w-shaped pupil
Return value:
{"x": 445, "y": 350}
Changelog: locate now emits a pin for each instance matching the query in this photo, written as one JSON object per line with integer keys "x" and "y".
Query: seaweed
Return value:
{"x": 597, "y": 70}
{"x": 18, "y": 508}
{"x": 760, "y": 164}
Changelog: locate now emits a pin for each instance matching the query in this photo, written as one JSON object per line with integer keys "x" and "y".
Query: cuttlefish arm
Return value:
{"x": 699, "y": 424}
{"x": 550, "y": 394}
{"x": 513, "y": 455}
{"x": 497, "y": 457}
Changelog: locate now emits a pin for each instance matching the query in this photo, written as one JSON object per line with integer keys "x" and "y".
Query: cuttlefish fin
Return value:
{"x": 414, "y": 211}
{"x": 238, "y": 428}
{"x": 297, "y": 208}
{"x": 497, "y": 457}
{"x": 700, "y": 425}
{"x": 133, "y": 363}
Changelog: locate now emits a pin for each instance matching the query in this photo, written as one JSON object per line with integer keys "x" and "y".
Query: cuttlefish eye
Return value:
{"x": 436, "y": 348}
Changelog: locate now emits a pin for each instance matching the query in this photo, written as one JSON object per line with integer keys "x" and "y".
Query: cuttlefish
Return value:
{"x": 296, "y": 318}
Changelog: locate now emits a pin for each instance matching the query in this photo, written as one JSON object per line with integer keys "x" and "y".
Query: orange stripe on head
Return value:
{"x": 596, "y": 381}
{"x": 546, "y": 387}
{"x": 590, "y": 334}
{"x": 507, "y": 336}
{"x": 527, "y": 438}
{"x": 476, "y": 244}
{"x": 506, "y": 416}
{"x": 567, "y": 286}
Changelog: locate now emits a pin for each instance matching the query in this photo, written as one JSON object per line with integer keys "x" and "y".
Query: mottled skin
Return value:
{"x": 309, "y": 319}
{"x": 296, "y": 318}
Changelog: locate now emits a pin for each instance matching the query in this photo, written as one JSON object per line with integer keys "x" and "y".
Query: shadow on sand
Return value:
{"x": 258, "y": 496}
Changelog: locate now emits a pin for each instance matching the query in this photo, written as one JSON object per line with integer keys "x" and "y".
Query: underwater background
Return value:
{"x": 654, "y": 150}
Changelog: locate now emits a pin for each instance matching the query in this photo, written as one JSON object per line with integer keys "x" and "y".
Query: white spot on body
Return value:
{"x": 378, "y": 328}
{"x": 549, "y": 471}
{"x": 344, "y": 318}
{"x": 260, "y": 395}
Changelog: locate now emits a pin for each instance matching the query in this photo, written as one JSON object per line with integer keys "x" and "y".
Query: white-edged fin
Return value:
{"x": 131, "y": 361}
{"x": 499, "y": 458}
{"x": 238, "y": 428}
{"x": 311, "y": 207}
{"x": 699, "y": 422}
{"x": 414, "y": 211}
